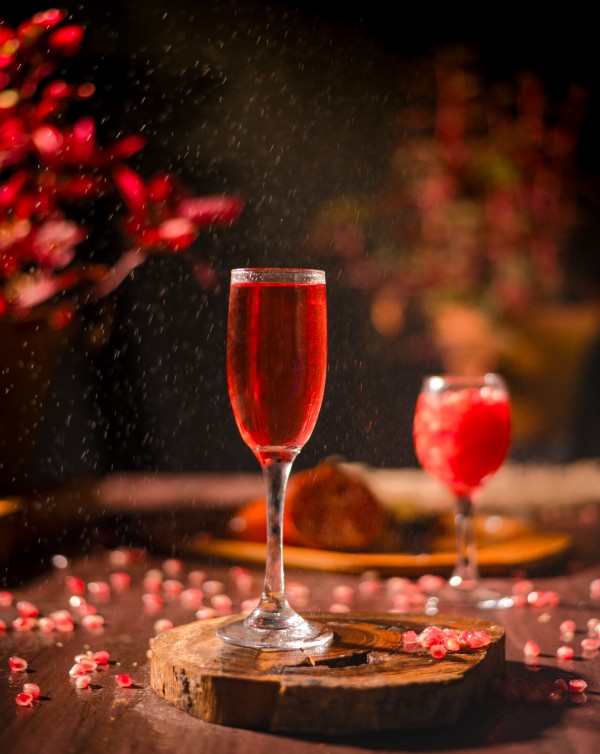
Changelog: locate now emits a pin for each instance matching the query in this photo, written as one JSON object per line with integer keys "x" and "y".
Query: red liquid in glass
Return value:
{"x": 462, "y": 437}
{"x": 276, "y": 361}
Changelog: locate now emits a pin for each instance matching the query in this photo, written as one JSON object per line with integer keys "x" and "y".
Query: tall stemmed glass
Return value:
{"x": 461, "y": 434}
{"x": 276, "y": 364}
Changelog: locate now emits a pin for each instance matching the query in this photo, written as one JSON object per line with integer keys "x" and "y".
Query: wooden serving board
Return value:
{"x": 365, "y": 681}
{"x": 513, "y": 544}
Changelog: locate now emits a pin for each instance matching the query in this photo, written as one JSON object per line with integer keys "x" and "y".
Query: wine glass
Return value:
{"x": 461, "y": 434}
{"x": 276, "y": 364}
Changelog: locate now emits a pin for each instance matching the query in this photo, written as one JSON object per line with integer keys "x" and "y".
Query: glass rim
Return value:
{"x": 277, "y": 275}
{"x": 441, "y": 381}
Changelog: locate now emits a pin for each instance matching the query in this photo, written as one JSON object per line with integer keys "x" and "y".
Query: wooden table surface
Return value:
{"x": 107, "y": 719}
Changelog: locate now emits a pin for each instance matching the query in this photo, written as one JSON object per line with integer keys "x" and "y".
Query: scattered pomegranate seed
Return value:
{"x": 567, "y": 627}
{"x": 24, "y": 624}
{"x": 221, "y": 603}
{"x": 92, "y": 622}
{"x": 522, "y": 586}
{"x": 46, "y": 625}
{"x": 298, "y": 593}
{"x": 369, "y": 587}
{"x": 339, "y": 607}
{"x": 100, "y": 589}
{"x": 153, "y": 580}
{"x": 27, "y": 609}
{"x": 565, "y": 653}
{"x": 17, "y": 663}
{"x": 592, "y": 625}
{"x": 196, "y": 578}
{"x": 23, "y": 699}
{"x": 430, "y": 583}
{"x": 163, "y": 624}
{"x": 561, "y": 684}
{"x": 77, "y": 669}
{"x": 409, "y": 637}
{"x": 452, "y": 644}
{"x": 437, "y": 651}
{"x": 101, "y": 657}
{"x": 88, "y": 664}
{"x": 578, "y": 685}
{"x": 173, "y": 567}
{"x": 120, "y": 581}
{"x": 33, "y": 689}
{"x": 590, "y": 644}
{"x": 531, "y": 649}
{"x": 242, "y": 579}
{"x": 205, "y": 613}
{"x": 342, "y": 593}
{"x": 6, "y": 599}
{"x": 75, "y": 585}
{"x": 212, "y": 587}
{"x": 172, "y": 587}
{"x": 595, "y": 589}
{"x": 83, "y": 681}
{"x": 124, "y": 680}
{"x": 152, "y": 601}
{"x": 192, "y": 597}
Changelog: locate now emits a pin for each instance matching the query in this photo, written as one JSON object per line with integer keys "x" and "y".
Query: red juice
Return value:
{"x": 462, "y": 436}
{"x": 276, "y": 360}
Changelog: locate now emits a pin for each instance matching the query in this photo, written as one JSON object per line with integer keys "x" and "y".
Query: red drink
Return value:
{"x": 462, "y": 436}
{"x": 276, "y": 360}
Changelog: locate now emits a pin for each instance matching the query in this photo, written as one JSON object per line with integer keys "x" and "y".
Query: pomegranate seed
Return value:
{"x": 196, "y": 578}
{"x": 205, "y": 613}
{"x": 221, "y": 603}
{"x": 243, "y": 579}
{"x": 339, "y": 607}
{"x": 27, "y": 609}
{"x": 6, "y": 599}
{"x": 83, "y": 681}
{"x": 437, "y": 651}
{"x": 173, "y": 567}
{"x": 397, "y": 585}
{"x": 561, "y": 684}
{"x": 369, "y": 587}
{"x": 120, "y": 581}
{"x": 101, "y": 658}
{"x": 17, "y": 663}
{"x": 595, "y": 589}
{"x": 23, "y": 699}
{"x": 163, "y": 624}
{"x": 565, "y": 653}
{"x": 75, "y": 585}
{"x": 92, "y": 622}
{"x": 172, "y": 587}
{"x": 452, "y": 644}
{"x": 77, "y": 669}
{"x": 24, "y": 624}
{"x": 86, "y": 609}
{"x": 33, "y": 689}
{"x": 592, "y": 625}
{"x": 342, "y": 593}
{"x": 567, "y": 627}
{"x": 46, "y": 625}
{"x": 88, "y": 664}
{"x": 590, "y": 645}
{"x": 531, "y": 649}
{"x": 430, "y": 583}
{"x": 100, "y": 589}
{"x": 2, "y": 625}
{"x": 409, "y": 637}
{"x": 522, "y": 586}
{"x": 248, "y": 605}
{"x": 191, "y": 597}
{"x": 124, "y": 680}
{"x": 555, "y": 698}
{"x": 578, "y": 698}
{"x": 152, "y": 601}
{"x": 153, "y": 580}
{"x": 212, "y": 587}
{"x": 577, "y": 685}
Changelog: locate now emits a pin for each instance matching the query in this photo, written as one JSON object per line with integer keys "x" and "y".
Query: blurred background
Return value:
{"x": 441, "y": 167}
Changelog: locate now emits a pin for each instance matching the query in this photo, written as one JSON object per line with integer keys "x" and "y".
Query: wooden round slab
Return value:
{"x": 363, "y": 682}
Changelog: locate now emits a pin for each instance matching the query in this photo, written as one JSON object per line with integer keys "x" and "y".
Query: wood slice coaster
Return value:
{"x": 365, "y": 681}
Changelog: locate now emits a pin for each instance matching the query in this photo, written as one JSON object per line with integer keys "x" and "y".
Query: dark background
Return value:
{"x": 287, "y": 104}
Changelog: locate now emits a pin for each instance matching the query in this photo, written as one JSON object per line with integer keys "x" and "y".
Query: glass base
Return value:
{"x": 473, "y": 594}
{"x": 304, "y": 635}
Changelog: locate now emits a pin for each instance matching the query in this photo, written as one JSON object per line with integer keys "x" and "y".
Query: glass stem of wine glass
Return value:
{"x": 274, "y": 611}
{"x": 466, "y": 572}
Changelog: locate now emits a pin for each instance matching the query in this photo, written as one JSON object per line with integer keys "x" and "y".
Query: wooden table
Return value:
{"x": 107, "y": 719}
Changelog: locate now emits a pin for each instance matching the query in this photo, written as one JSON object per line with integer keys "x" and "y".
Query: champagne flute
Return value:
{"x": 276, "y": 365}
{"x": 461, "y": 434}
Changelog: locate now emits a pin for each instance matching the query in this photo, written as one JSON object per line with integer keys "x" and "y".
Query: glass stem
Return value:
{"x": 273, "y": 611}
{"x": 466, "y": 572}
